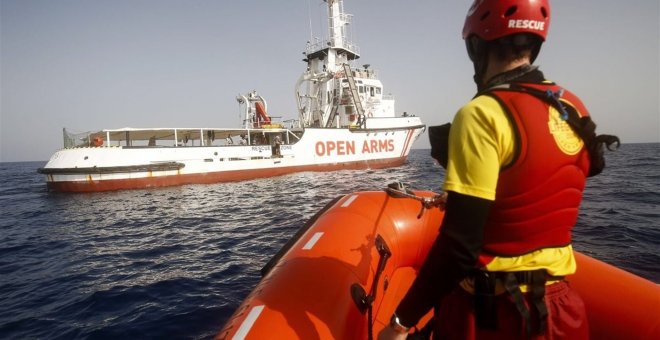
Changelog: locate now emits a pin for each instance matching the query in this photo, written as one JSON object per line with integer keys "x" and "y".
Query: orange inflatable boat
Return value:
{"x": 342, "y": 275}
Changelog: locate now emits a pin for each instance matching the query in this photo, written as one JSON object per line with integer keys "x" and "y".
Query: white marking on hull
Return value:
{"x": 248, "y": 322}
{"x": 312, "y": 241}
{"x": 349, "y": 201}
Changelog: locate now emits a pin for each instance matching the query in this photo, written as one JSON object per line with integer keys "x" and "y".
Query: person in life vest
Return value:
{"x": 518, "y": 156}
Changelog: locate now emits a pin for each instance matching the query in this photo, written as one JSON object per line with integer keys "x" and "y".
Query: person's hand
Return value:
{"x": 390, "y": 334}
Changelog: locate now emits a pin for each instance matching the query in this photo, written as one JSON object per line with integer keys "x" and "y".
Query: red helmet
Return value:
{"x": 494, "y": 19}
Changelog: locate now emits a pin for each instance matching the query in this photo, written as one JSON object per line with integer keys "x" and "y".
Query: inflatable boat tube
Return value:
{"x": 355, "y": 259}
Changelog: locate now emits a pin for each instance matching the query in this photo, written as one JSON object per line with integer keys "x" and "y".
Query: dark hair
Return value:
{"x": 516, "y": 46}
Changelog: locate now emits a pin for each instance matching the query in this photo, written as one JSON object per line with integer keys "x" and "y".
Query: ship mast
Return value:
{"x": 325, "y": 60}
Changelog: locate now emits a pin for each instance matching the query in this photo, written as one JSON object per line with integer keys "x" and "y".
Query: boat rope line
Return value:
{"x": 248, "y": 322}
{"x": 400, "y": 190}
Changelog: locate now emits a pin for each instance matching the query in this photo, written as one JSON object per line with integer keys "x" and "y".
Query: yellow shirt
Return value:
{"x": 481, "y": 142}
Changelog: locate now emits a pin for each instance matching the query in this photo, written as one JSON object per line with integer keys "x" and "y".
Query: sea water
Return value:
{"x": 176, "y": 262}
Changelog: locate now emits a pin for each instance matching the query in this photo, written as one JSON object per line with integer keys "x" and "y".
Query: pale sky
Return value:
{"x": 90, "y": 64}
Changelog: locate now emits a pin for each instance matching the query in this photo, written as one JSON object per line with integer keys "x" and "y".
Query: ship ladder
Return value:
{"x": 354, "y": 90}
{"x": 333, "y": 113}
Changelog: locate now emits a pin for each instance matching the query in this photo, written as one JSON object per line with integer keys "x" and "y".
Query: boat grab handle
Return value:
{"x": 363, "y": 301}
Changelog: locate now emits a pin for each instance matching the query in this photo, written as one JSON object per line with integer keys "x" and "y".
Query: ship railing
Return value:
{"x": 321, "y": 44}
{"x": 293, "y": 123}
{"x": 181, "y": 137}
{"x": 77, "y": 140}
{"x": 365, "y": 73}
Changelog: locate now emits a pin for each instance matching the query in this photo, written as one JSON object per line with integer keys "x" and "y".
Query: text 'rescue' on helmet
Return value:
{"x": 494, "y": 19}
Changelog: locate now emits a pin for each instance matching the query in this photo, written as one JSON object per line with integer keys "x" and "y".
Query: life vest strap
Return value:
{"x": 584, "y": 127}
{"x": 484, "y": 295}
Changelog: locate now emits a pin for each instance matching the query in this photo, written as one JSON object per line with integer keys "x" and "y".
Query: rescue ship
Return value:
{"x": 345, "y": 121}
{"x": 345, "y": 271}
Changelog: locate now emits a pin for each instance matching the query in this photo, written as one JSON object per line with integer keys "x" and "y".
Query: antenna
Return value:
{"x": 309, "y": 16}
